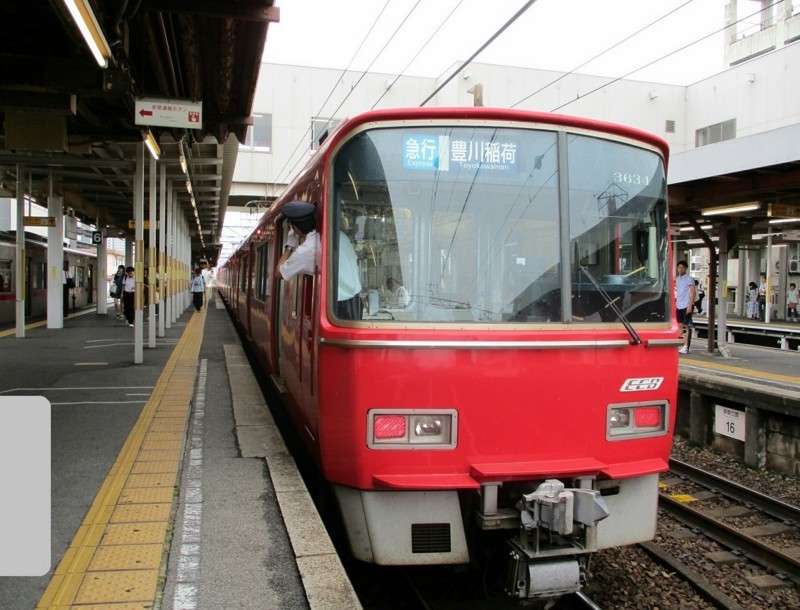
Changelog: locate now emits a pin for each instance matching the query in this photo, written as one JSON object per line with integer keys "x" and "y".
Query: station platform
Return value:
{"x": 171, "y": 486}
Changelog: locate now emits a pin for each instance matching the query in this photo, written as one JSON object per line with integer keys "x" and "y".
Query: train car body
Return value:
{"x": 82, "y": 266}
{"x": 517, "y": 377}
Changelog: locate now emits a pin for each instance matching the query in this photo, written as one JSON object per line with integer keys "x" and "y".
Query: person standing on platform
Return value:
{"x": 752, "y": 301}
{"x": 128, "y": 296}
{"x": 116, "y": 290}
{"x": 698, "y": 304}
{"x": 791, "y": 303}
{"x": 198, "y": 289}
{"x": 685, "y": 296}
{"x": 68, "y": 283}
{"x": 762, "y": 298}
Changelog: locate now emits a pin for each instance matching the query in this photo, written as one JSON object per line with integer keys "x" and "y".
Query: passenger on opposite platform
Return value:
{"x": 128, "y": 296}
{"x": 685, "y": 297}
{"x": 752, "y": 301}
{"x": 791, "y": 303}
{"x": 762, "y": 298}
{"x": 701, "y": 293}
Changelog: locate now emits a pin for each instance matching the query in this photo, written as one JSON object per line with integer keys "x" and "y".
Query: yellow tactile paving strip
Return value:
{"x": 115, "y": 560}
{"x": 744, "y": 372}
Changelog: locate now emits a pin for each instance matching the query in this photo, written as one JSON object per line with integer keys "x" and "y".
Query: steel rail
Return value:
{"x": 763, "y": 554}
{"x": 766, "y": 504}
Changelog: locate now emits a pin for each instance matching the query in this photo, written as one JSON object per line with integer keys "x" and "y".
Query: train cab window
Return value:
{"x": 618, "y": 220}
{"x": 455, "y": 224}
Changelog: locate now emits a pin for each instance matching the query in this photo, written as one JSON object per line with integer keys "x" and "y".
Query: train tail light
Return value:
{"x": 637, "y": 420}
{"x": 412, "y": 429}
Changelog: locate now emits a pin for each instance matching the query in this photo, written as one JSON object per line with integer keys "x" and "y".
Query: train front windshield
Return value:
{"x": 502, "y": 225}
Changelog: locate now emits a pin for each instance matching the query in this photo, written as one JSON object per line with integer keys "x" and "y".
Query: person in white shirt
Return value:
{"x": 685, "y": 296}
{"x": 301, "y": 255}
{"x": 198, "y": 289}
{"x": 400, "y": 296}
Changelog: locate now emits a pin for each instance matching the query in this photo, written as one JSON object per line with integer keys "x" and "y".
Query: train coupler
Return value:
{"x": 557, "y": 527}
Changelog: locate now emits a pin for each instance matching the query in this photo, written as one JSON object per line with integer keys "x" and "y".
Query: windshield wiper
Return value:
{"x": 635, "y": 339}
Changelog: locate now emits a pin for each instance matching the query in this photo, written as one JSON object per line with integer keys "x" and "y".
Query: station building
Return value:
{"x": 736, "y": 127}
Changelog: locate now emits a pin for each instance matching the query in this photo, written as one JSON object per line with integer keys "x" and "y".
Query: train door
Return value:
{"x": 90, "y": 285}
{"x": 27, "y": 295}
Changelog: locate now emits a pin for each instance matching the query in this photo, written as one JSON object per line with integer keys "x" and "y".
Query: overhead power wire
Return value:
{"x": 333, "y": 89}
{"x": 611, "y": 48}
{"x": 366, "y": 70}
{"x": 655, "y": 61}
{"x": 421, "y": 49}
{"x": 491, "y": 39}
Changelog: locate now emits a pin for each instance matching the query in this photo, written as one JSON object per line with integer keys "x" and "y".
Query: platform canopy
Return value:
{"x": 68, "y": 114}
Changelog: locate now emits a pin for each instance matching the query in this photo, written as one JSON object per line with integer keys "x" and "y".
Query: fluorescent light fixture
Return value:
{"x": 184, "y": 165}
{"x": 704, "y": 227}
{"x": 780, "y": 221}
{"x": 732, "y": 209}
{"x": 189, "y": 186}
{"x": 90, "y": 30}
{"x": 152, "y": 145}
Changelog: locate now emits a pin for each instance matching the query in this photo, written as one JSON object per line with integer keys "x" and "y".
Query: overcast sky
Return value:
{"x": 552, "y": 34}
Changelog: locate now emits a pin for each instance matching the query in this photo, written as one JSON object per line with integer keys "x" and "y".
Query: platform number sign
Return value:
{"x": 729, "y": 422}
{"x": 97, "y": 237}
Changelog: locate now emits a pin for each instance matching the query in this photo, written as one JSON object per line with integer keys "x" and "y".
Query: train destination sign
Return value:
{"x": 39, "y": 221}
{"x": 182, "y": 114}
{"x": 442, "y": 152}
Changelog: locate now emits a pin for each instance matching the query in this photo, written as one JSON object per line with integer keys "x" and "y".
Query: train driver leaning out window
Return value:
{"x": 300, "y": 255}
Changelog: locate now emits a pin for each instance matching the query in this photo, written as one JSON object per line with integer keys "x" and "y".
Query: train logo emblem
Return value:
{"x": 641, "y": 384}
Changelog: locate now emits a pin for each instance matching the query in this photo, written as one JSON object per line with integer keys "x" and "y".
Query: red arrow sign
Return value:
{"x": 144, "y": 112}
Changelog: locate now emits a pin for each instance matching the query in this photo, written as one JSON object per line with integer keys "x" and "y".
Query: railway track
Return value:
{"x": 747, "y": 525}
{"x": 710, "y": 521}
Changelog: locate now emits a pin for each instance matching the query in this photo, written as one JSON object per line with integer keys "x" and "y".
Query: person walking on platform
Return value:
{"x": 198, "y": 289}
{"x": 116, "y": 290}
{"x": 752, "y": 301}
{"x": 128, "y": 296}
{"x": 762, "y": 298}
{"x": 685, "y": 296}
{"x": 791, "y": 303}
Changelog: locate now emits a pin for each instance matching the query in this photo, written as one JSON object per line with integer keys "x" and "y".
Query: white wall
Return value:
{"x": 761, "y": 94}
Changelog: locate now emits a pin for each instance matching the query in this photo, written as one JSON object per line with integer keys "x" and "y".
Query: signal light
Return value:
{"x": 647, "y": 417}
{"x": 387, "y": 426}
{"x": 412, "y": 429}
{"x": 636, "y": 420}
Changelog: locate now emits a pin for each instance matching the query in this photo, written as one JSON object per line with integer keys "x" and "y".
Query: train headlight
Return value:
{"x": 637, "y": 420}
{"x": 412, "y": 428}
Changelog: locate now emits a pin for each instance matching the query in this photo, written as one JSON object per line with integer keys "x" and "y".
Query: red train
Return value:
{"x": 510, "y": 372}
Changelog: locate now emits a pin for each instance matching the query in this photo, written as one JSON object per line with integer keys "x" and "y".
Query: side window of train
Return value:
{"x": 263, "y": 271}
{"x": 243, "y": 274}
{"x": 6, "y": 283}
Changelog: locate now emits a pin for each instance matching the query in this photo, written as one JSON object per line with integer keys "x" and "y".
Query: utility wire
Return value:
{"x": 341, "y": 76}
{"x": 492, "y": 38}
{"x": 421, "y": 49}
{"x": 655, "y": 61}
{"x": 366, "y": 71}
{"x": 611, "y": 48}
